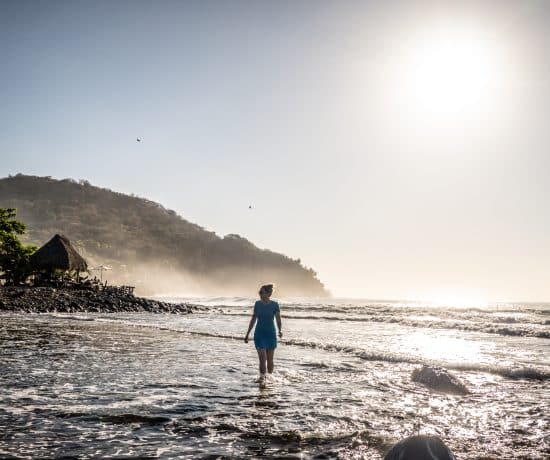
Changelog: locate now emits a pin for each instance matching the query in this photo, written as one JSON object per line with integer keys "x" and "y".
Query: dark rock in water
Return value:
{"x": 122, "y": 419}
{"x": 439, "y": 379}
{"x": 420, "y": 448}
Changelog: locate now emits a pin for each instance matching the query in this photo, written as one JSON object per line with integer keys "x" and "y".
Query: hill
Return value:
{"x": 147, "y": 245}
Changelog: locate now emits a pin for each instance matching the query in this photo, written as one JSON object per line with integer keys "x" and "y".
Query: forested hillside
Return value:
{"x": 146, "y": 244}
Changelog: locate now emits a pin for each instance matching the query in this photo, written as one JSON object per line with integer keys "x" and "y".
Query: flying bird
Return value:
{"x": 250, "y": 207}
{"x": 138, "y": 139}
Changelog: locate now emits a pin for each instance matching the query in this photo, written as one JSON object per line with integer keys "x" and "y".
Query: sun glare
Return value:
{"x": 446, "y": 73}
{"x": 439, "y": 345}
{"x": 458, "y": 301}
{"x": 450, "y": 74}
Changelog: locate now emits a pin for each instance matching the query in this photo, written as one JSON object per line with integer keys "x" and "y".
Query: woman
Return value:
{"x": 265, "y": 337}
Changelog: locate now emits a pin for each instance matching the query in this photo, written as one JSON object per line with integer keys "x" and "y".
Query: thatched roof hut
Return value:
{"x": 58, "y": 253}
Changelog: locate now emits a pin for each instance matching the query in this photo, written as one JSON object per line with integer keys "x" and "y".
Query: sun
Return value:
{"x": 450, "y": 73}
{"x": 445, "y": 72}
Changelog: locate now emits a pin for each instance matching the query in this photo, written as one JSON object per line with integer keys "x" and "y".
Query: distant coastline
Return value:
{"x": 147, "y": 245}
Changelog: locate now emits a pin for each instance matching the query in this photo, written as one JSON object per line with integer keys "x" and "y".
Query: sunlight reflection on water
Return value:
{"x": 441, "y": 346}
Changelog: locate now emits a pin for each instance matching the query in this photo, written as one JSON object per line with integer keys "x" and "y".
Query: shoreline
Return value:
{"x": 72, "y": 300}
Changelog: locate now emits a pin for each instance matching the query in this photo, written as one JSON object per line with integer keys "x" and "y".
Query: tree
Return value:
{"x": 14, "y": 256}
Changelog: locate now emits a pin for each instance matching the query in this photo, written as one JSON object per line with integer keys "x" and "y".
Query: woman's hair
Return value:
{"x": 267, "y": 288}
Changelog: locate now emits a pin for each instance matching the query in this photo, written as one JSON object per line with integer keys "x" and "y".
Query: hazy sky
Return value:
{"x": 401, "y": 148}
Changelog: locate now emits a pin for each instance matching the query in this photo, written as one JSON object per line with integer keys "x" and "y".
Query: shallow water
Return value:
{"x": 183, "y": 386}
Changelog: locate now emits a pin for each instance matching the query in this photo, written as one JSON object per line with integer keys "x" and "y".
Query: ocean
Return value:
{"x": 183, "y": 386}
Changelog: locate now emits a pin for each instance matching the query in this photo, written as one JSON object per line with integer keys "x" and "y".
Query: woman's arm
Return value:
{"x": 250, "y": 326}
{"x": 279, "y": 324}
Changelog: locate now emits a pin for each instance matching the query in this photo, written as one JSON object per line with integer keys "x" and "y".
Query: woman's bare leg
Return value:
{"x": 269, "y": 357}
{"x": 262, "y": 356}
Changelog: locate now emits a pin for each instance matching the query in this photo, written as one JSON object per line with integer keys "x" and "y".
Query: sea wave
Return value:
{"x": 527, "y": 373}
{"x": 529, "y": 329}
{"x": 511, "y": 372}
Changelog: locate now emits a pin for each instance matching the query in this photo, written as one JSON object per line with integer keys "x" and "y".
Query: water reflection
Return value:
{"x": 441, "y": 346}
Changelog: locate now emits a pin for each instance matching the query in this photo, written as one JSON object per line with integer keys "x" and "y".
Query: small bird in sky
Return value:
{"x": 138, "y": 139}
{"x": 250, "y": 207}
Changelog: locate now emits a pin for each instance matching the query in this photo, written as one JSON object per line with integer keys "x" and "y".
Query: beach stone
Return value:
{"x": 439, "y": 379}
{"x": 420, "y": 447}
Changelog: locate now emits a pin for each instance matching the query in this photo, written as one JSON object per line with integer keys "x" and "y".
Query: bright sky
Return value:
{"x": 400, "y": 148}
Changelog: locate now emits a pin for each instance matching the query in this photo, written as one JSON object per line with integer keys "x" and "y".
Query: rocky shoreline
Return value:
{"x": 64, "y": 300}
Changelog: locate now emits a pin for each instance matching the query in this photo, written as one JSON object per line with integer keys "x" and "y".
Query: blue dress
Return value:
{"x": 265, "y": 335}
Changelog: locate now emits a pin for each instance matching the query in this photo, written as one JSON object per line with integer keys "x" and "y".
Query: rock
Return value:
{"x": 42, "y": 299}
{"x": 420, "y": 448}
{"x": 439, "y": 379}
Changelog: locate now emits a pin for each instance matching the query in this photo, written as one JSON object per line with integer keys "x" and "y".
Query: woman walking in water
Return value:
{"x": 265, "y": 337}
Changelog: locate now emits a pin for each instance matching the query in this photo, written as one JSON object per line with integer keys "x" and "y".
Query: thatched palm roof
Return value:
{"x": 58, "y": 253}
